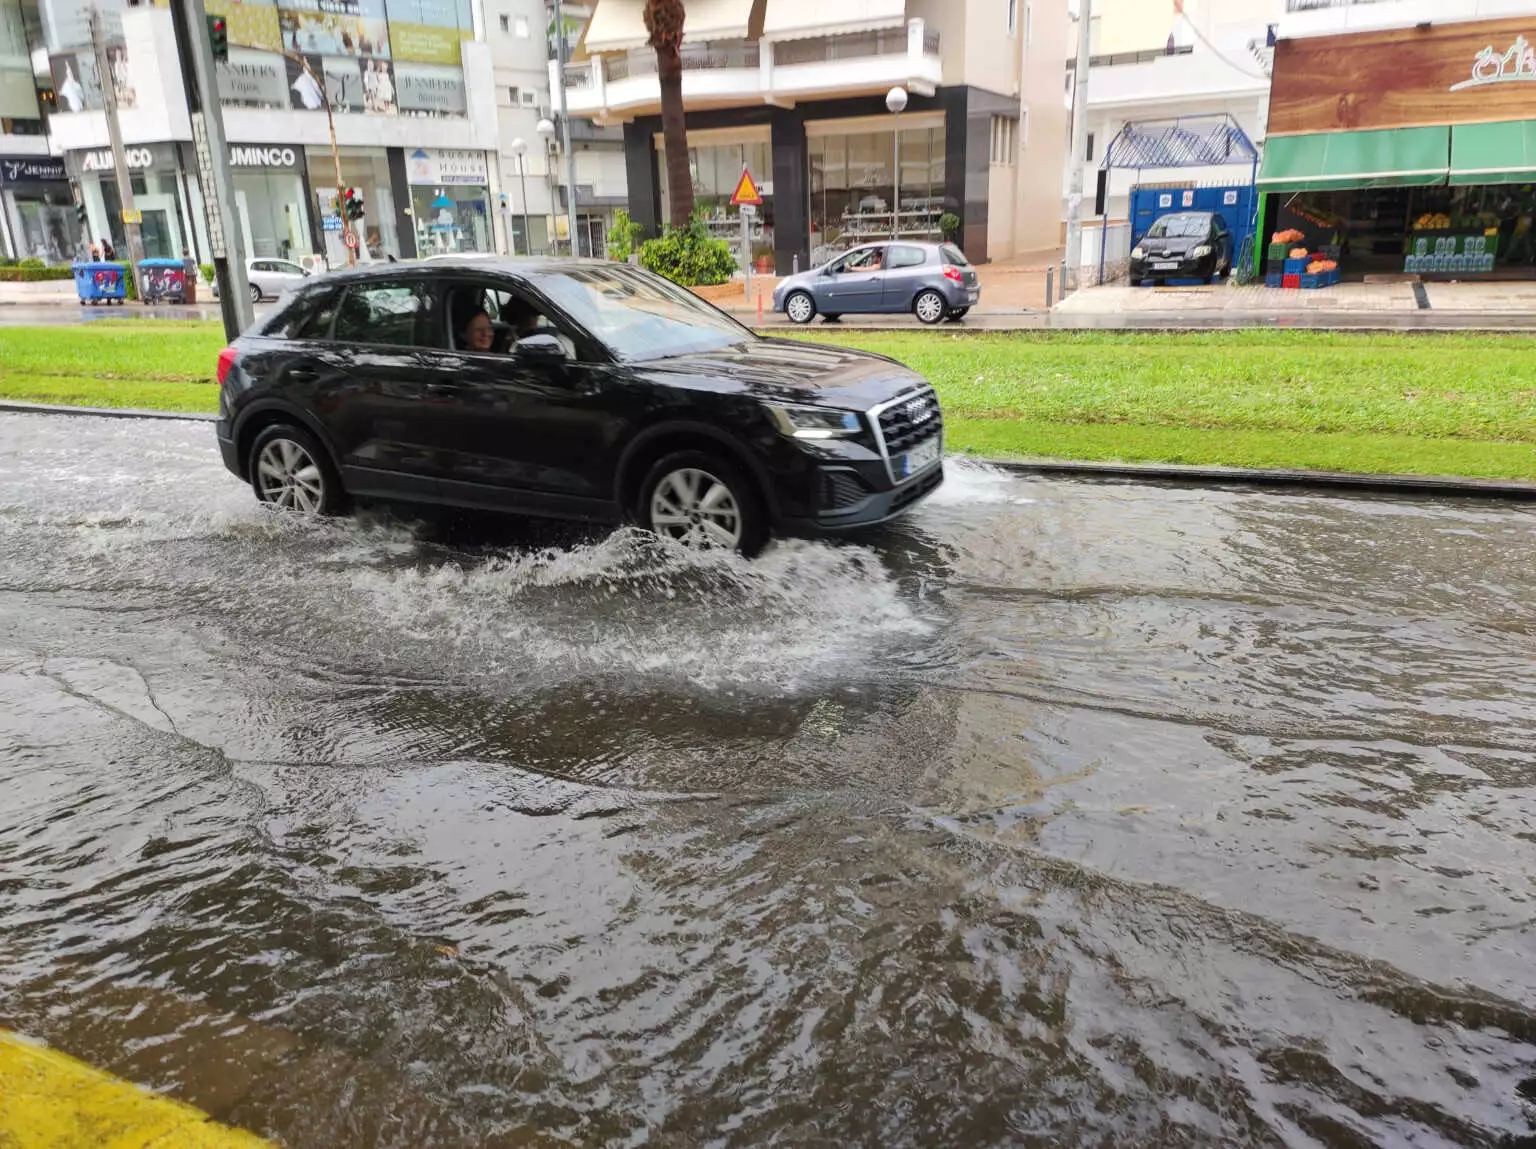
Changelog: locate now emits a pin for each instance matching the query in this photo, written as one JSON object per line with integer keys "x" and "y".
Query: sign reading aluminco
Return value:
{"x": 263, "y": 156}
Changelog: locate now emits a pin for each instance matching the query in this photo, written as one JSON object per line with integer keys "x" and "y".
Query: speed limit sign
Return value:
{"x": 350, "y": 239}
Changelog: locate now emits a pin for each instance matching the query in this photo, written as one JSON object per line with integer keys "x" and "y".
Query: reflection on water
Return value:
{"x": 1058, "y": 813}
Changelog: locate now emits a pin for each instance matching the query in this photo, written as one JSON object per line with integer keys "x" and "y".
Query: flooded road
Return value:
{"x": 1061, "y": 813}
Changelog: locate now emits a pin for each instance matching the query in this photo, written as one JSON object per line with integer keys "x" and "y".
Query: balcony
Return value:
{"x": 1157, "y": 83}
{"x": 729, "y": 73}
{"x": 1314, "y": 5}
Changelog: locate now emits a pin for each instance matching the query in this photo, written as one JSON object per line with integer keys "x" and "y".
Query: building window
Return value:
{"x": 851, "y": 192}
{"x": 1013, "y": 16}
{"x": 1029, "y": 23}
{"x": 528, "y": 98}
{"x": 506, "y": 23}
{"x": 1090, "y": 146}
{"x": 521, "y": 27}
{"x": 512, "y": 95}
{"x": 1004, "y": 139}
{"x": 1024, "y": 127}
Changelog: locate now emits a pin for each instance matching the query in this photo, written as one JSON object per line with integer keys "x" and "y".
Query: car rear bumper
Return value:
{"x": 227, "y": 450}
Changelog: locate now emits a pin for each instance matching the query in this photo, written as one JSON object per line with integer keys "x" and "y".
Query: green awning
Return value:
{"x": 1494, "y": 153}
{"x": 1324, "y": 161}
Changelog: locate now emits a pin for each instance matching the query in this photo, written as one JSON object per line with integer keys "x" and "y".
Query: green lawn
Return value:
{"x": 1414, "y": 403}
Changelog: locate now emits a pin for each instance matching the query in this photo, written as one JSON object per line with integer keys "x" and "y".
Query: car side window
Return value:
{"x": 900, "y": 255}
{"x": 394, "y": 313}
{"x": 307, "y": 316}
{"x": 509, "y": 314}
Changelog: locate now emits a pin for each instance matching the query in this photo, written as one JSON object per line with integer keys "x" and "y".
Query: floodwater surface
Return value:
{"x": 1060, "y": 813}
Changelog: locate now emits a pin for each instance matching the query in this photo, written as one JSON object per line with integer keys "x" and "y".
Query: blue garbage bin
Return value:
{"x": 163, "y": 279}
{"x": 98, "y": 281}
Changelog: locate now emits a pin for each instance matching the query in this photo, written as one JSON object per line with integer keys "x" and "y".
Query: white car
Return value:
{"x": 270, "y": 278}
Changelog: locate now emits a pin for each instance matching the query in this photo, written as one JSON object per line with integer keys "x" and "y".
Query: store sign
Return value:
{"x": 1517, "y": 65}
{"x": 31, "y": 169}
{"x": 446, "y": 166}
{"x": 432, "y": 90}
{"x": 271, "y": 156}
{"x": 253, "y": 80}
{"x": 140, "y": 158}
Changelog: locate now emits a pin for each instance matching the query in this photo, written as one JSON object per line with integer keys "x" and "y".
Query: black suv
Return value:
{"x": 570, "y": 388}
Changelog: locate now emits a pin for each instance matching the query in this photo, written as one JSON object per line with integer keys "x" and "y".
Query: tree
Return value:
{"x": 664, "y": 22}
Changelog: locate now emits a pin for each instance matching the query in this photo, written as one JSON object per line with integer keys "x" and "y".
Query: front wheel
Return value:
{"x": 929, "y": 307}
{"x": 704, "y": 501}
{"x": 255, "y": 294}
{"x": 290, "y": 468}
{"x": 800, "y": 307}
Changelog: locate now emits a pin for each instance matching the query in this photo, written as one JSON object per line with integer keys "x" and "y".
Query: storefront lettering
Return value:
{"x": 101, "y": 161}
{"x": 262, "y": 157}
{"x": 1518, "y": 65}
{"x": 25, "y": 169}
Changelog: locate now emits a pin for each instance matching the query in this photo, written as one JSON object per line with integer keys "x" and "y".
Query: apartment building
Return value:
{"x": 1151, "y": 63}
{"x": 795, "y": 92}
{"x": 1402, "y": 133}
{"x": 410, "y": 83}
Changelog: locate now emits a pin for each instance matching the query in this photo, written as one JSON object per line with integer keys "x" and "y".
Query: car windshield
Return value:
{"x": 641, "y": 316}
{"x": 1184, "y": 224}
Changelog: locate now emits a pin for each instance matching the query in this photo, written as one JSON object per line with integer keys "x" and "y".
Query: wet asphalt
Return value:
{"x": 1060, "y": 813}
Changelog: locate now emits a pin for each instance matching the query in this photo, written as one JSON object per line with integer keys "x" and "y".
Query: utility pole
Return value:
{"x": 130, "y": 217}
{"x": 1074, "y": 261}
{"x": 330, "y": 122}
{"x": 565, "y": 129}
{"x": 189, "y": 20}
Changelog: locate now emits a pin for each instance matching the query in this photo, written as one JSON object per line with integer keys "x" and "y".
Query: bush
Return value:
{"x": 207, "y": 271}
{"x": 33, "y": 274}
{"x": 33, "y": 263}
{"x": 689, "y": 257}
{"x": 623, "y": 237}
{"x": 7, "y": 261}
{"x": 949, "y": 224}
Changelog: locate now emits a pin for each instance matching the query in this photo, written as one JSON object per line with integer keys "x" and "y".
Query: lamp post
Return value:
{"x": 519, "y": 146}
{"x": 896, "y": 101}
{"x": 546, "y": 129}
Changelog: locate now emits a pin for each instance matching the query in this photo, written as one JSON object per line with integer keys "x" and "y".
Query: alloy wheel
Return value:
{"x": 255, "y": 294}
{"x": 286, "y": 476}
{"x": 929, "y": 307}
{"x": 697, "y": 509}
{"x": 800, "y": 308}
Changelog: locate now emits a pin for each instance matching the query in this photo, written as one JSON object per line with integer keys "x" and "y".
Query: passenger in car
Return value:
{"x": 477, "y": 333}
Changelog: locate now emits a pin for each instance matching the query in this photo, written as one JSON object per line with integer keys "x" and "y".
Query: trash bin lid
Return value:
{"x": 96, "y": 265}
{"x": 160, "y": 263}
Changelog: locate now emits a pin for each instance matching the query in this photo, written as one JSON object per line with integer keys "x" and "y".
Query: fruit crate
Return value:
{"x": 1290, "y": 281}
{"x": 1274, "y": 279}
{"x": 1296, "y": 266}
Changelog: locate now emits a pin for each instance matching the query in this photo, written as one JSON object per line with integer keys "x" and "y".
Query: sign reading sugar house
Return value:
{"x": 1513, "y": 66}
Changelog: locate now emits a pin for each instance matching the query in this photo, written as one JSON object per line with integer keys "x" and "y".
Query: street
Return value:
{"x": 1061, "y": 812}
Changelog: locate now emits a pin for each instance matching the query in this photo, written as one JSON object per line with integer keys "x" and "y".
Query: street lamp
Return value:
{"x": 896, "y": 102}
{"x": 517, "y": 148}
{"x": 546, "y": 128}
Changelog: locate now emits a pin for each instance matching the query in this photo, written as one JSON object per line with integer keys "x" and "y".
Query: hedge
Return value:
{"x": 33, "y": 274}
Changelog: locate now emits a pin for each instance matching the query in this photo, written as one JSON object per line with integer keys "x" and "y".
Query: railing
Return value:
{"x": 1314, "y": 5}
{"x": 857, "y": 46}
{"x": 930, "y": 43}
{"x": 1113, "y": 59}
{"x": 578, "y": 75}
{"x": 696, "y": 58}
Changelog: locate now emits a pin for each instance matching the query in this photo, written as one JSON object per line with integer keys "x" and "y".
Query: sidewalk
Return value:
{"x": 1365, "y": 300}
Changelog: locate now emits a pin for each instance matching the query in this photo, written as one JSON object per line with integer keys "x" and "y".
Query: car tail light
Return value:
{"x": 953, "y": 273}
{"x": 227, "y": 359}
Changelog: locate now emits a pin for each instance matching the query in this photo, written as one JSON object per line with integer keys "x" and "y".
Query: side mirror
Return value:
{"x": 538, "y": 350}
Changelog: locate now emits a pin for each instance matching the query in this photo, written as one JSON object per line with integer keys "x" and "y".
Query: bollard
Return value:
{"x": 1050, "y": 282}
{"x": 794, "y": 264}
{"x": 759, "y": 306}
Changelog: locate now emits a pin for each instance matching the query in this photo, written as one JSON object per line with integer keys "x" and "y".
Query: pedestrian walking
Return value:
{"x": 108, "y": 252}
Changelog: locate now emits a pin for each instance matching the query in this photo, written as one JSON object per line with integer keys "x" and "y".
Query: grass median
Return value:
{"x": 1453, "y": 404}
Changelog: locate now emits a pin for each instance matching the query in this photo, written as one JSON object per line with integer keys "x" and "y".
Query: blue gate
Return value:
{"x": 1234, "y": 202}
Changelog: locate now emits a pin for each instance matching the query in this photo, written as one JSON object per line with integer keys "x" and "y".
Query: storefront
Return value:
{"x": 715, "y": 159}
{"x": 367, "y": 170}
{"x": 270, "y": 200}
{"x": 853, "y": 196}
{"x": 37, "y": 212}
{"x": 450, "y": 200}
{"x": 158, "y": 191}
{"x": 1419, "y": 158}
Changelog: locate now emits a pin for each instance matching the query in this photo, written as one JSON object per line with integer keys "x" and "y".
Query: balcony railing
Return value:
{"x": 696, "y": 58}
{"x": 1315, "y": 5}
{"x": 578, "y": 75}
{"x": 857, "y": 46}
{"x": 1113, "y": 59}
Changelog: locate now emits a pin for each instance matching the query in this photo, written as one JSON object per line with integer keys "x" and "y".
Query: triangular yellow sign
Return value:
{"x": 746, "y": 190}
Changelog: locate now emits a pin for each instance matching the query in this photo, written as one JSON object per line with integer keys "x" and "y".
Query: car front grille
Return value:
{"x": 909, "y": 420}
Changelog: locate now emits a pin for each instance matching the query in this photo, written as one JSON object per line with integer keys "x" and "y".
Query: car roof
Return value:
{"x": 522, "y": 266}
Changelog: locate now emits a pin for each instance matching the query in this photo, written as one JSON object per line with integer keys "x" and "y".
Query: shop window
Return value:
{"x": 396, "y": 314}
{"x": 852, "y": 194}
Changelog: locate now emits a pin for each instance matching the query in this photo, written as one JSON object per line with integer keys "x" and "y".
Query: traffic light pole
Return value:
{"x": 330, "y": 122}
{"x": 190, "y": 23}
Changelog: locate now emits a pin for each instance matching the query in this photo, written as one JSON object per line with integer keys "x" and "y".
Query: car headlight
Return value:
{"x": 1202, "y": 251}
{"x": 1138, "y": 253}
{"x": 814, "y": 422}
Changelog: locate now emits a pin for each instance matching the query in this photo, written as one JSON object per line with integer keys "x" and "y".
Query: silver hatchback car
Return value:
{"x": 934, "y": 281}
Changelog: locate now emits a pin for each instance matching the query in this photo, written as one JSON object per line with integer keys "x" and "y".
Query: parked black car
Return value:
{"x": 1183, "y": 245}
{"x": 569, "y": 388}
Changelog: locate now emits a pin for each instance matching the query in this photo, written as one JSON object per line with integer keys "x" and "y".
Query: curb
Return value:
{"x": 1272, "y": 477}
{"x": 1144, "y": 472}
{"x": 52, "y": 1101}
{"x": 22, "y": 407}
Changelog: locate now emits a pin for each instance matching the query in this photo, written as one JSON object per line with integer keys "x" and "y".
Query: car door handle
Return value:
{"x": 302, "y": 374}
{"x": 440, "y": 389}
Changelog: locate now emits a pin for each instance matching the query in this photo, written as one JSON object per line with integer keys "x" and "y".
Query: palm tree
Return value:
{"x": 664, "y": 21}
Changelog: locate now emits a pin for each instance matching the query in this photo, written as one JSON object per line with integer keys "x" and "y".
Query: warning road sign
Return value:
{"x": 746, "y": 190}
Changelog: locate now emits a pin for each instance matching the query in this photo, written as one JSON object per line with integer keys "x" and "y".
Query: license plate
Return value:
{"x": 972, "y": 296}
{"x": 1165, "y": 266}
{"x": 921, "y": 456}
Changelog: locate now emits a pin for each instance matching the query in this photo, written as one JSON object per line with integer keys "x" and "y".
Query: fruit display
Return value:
{"x": 1432, "y": 221}
{"x": 1289, "y": 235}
{"x": 1299, "y": 253}
{"x": 1318, "y": 265}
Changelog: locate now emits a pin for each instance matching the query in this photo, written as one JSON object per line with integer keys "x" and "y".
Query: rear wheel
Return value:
{"x": 703, "y": 500}
{"x": 929, "y": 306}
{"x": 800, "y": 307}
{"x": 956, "y": 314}
{"x": 290, "y": 468}
{"x": 255, "y": 294}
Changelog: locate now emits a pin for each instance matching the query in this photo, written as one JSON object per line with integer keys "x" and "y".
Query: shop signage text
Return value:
{"x": 101, "y": 160}
{"x": 1492, "y": 67}
{"x": 446, "y": 166}
{"x": 262, "y": 156}
{"x": 30, "y": 169}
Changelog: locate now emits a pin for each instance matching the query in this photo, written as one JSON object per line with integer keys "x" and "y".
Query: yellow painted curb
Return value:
{"x": 48, "y": 1100}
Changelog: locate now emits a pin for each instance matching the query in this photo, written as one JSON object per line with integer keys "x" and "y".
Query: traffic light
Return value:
{"x": 352, "y": 207}
{"x": 218, "y": 37}
{"x": 81, "y": 214}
